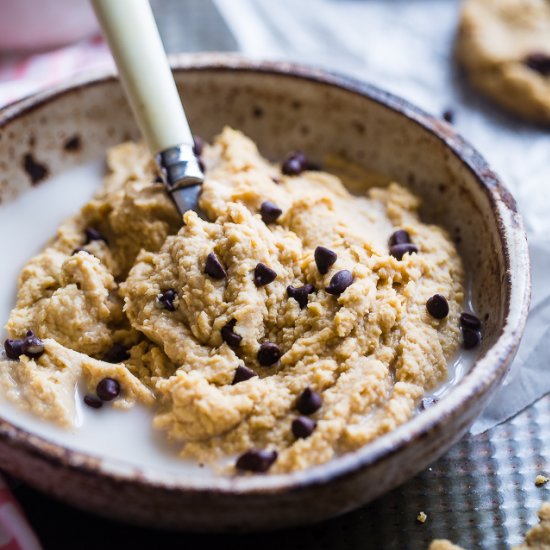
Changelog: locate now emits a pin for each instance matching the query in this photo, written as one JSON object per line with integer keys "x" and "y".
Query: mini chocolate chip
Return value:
{"x": 214, "y": 267}
{"x": 256, "y": 460}
{"x": 232, "y": 339}
{"x": 449, "y": 115}
{"x": 399, "y": 250}
{"x": 470, "y": 320}
{"x": 270, "y": 212}
{"x": 309, "y": 401}
{"x": 276, "y": 180}
{"x": 324, "y": 259}
{"x": 268, "y": 354}
{"x": 339, "y": 282}
{"x": 539, "y": 62}
{"x": 300, "y": 294}
{"x": 437, "y": 306}
{"x": 117, "y": 354}
{"x": 93, "y": 401}
{"x": 263, "y": 275}
{"x": 470, "y": 337}
{"x": 198, "y": 145}
{"x": 243, "y": 373}
{"x": 427, "y": 402}
{"x": 294, "y": 164}
{"x": 94, "y": 235}
{"x": 302, "y": 427}
{"x": 399, "y": 237}
{"x": 14, "y": 348}
{"x": 32, "y": 345}
{"x": 158, "y": 179}
{"x": 107, "y": 389}
{"x": 166, "y": 299}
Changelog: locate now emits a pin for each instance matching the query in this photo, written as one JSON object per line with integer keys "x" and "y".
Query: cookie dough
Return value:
{"x": 285, "y": 329}
{"x": 504, "y": 45}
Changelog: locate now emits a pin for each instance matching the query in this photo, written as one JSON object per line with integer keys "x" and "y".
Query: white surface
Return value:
{"x": 126, "y": 436}
{"x": 406, "y": 48}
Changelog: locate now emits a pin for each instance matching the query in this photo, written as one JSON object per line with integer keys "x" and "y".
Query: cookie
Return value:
{"x": 504, "y": 45}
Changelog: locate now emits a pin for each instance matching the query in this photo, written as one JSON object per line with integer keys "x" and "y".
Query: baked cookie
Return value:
{"x": 505, "y": 47}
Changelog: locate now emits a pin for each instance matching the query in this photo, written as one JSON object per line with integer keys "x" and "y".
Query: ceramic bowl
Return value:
{"x": 282, "y": 107}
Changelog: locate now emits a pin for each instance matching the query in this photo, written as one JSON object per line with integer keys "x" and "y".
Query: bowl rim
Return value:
{"x": 484, "y": 375}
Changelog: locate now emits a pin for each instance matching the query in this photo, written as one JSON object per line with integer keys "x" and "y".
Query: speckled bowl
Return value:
{"x": 283, "y": 107}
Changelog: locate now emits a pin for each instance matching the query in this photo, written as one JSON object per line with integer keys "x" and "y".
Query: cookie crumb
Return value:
{"x": 421, "y": 517}
{"x": 541, "y": 480}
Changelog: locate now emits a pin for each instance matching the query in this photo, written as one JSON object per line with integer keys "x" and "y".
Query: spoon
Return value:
{"x": 135, "y": 43}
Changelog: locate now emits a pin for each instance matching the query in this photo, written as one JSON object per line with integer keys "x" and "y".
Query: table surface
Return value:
{"x": 481, "y": 494}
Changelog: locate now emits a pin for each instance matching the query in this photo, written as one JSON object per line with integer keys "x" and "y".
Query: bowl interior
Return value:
{"x": 60, "y": 142}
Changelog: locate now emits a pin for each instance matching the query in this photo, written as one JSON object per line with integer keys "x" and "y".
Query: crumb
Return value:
{"x": 538, "y": 538}
{"x": 422, "y": 517}
{"x": 541, "y": 480}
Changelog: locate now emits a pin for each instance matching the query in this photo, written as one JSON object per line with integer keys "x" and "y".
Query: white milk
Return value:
{"x": 127, "y": 436}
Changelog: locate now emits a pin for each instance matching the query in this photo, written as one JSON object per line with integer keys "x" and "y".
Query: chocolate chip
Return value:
{"x": 294, "y": 164}
{"x": 263, "y": 275}
{"x": 539, "y": 62}
{"x": 158, "y": 179}
{"x": 117, "y": 354}
{"x": 399, "y": 237}
{"x": 276, "y": 180}
{"x": 256, "y": 460}
{"x": 107, "y": 389}
{"x": 32, "y": 345}
{"x": 309, "y": 402}
{"x": 198, "y": 145}
{"x": 427, "y": 402}
{"x": 399, "y": 250}
{"x": 324, "y": 259}
{"x": 470, "y": 337}
{"x": 270, "y": 212}
{"x": 94, "y": 235}
{"x": 214, "y": 267}
{"x": 339, "y": 282}
{"x": 300, "y": 294}
{"x": 437, "y": 306}
{"x": 243, "y": 373}
{"x": 470, "y": 320}
{"x": 14, "y": 348}
{"x": 268, "y": 354}
{"x": 449, "y": 115}
{"x": 232, "y": 339}
{"x": 166, "y": 299}
{"x": 302, "y": 427}
{"x": 93, "y": 401}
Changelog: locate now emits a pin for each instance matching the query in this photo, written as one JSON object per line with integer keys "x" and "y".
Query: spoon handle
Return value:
{"x": 135, "y": 42}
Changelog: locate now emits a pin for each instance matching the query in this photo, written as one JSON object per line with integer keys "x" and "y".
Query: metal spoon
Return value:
{"x": 146, "y": 77}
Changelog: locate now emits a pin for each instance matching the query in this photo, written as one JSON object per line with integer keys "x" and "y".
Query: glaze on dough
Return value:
{"x": 371, "y": 352}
